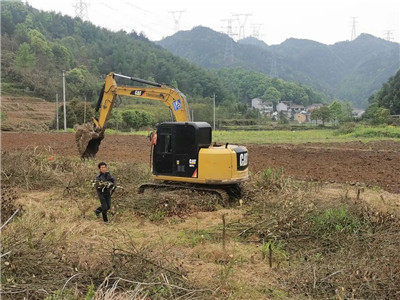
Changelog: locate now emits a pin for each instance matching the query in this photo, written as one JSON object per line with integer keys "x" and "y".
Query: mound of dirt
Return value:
{"x": 88, "y": 140}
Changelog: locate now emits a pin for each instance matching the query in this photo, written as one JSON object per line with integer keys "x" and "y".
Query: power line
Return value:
{"x": 152, "y": 25}
{"x": 118, "y": 19}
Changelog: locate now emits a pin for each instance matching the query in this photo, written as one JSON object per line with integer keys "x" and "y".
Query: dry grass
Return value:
{"x": 289, "y": 240}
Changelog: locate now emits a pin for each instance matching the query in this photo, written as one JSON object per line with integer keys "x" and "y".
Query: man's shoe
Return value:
{"x": 97, "y": 214}
{"x": 106, "y": 223}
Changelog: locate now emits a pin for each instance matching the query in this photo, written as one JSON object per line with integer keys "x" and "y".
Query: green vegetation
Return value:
{"x": 335, "y": 220}
{"x": 347, "y": 133}
{"x": 193, "y": 237}
{"x": 249, "y": 84}
{"x": 384, "y": 103}
{"x": 3, "y": 116}
{"x": 381, "y": 132}
{"x": 358, "y": 133}
{"x": 77, "y": 112}
{"x": 275, "y": 246}
{"x": 388, "y": 97}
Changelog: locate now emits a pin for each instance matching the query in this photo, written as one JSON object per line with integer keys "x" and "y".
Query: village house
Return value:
{"x": 290, "y": 110}
{"x": 296, "y": 108}
{"x": 357, "y": 113}
{"x": 283, "y": 106}
{"x": 266, "y": 108}
{"x": 313, "y": 106}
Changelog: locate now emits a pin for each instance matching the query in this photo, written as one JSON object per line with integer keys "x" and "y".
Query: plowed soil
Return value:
{"x": 27, "y": 114}
{"x": 373, "y": 163}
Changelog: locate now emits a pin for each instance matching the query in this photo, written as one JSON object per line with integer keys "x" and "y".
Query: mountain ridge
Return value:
{"x": 348, "y": 70}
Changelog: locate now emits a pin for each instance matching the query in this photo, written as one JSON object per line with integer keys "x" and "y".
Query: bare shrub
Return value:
{"x": 333, "y": 247}
{"x": 45, "y": 261}
{"x": 8, "y": 205}
{"x": 35, "y": 171}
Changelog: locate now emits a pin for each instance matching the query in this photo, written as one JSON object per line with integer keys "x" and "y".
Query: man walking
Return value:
{"x": 104, "y": 184}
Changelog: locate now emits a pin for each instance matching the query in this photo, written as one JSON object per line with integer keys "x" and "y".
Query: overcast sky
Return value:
{"x": 273, "y": 21}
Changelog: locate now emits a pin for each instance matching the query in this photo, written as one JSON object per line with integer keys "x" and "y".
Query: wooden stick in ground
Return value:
{"x": 9, "y": 219}
{"x": 223, "y": 231}
{"x": 270, "y": 255}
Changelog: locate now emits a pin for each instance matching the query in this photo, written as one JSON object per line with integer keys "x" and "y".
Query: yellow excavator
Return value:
{"x": 183, "y": 155}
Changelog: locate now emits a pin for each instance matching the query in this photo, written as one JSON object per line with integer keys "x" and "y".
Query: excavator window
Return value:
{"x": 164, "y": 141}
{"x": 185, "y": 139}
{"x": 163, "y": 151}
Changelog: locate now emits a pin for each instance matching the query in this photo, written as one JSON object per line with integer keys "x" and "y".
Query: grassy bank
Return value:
{"x": 343, "y": 134}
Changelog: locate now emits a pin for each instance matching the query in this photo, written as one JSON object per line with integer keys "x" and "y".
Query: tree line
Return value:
{"x": 386, "y": 102}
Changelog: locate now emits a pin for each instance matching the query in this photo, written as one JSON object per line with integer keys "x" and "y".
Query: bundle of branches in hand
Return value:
{"x": 102, "y": 185}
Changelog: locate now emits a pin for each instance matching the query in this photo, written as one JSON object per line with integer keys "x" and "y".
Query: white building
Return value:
{"x": 313, "y": 106}
{"x": 283, "y": 106}
{"x": 357, "y": 113}
{"x": 263, "y": 107}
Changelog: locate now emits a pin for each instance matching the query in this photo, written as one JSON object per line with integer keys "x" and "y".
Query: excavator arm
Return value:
{"x": 89, "y": 136}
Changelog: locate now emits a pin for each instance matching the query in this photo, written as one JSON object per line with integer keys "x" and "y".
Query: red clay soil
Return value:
{"x": 374, "y": 163}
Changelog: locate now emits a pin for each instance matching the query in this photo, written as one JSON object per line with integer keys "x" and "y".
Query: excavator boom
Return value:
{"x": 89, "y": 136}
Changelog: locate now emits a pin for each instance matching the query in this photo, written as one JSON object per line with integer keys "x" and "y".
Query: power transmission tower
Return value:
{"x": 353, "y": 28}
{"x": 273, "y": 71}
{"x": 81, "y": 9}
{"x": 229, "y": 28}
{"x": 228, "y": 54}
{"x": 176, "y": 15}
{"x": 242, "y": 19}
{"x": 256, "y": 30}
{"x": 388, "y": 35}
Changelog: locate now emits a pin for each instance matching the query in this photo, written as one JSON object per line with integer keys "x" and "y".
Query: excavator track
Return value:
{"x": 224, "y": 193}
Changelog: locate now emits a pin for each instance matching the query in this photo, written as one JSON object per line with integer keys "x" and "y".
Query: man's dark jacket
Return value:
{"x": 105, "y": 177}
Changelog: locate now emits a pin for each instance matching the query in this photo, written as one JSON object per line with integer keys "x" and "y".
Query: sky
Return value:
{"x": 273, "y": 21}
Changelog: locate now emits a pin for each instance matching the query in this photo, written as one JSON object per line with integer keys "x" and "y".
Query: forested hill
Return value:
{"x": 37, "y": 46}
{"x": 351, "y": 70}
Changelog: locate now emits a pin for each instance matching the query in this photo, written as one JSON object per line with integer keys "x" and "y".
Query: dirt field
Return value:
{"x": 28, "y": 114}
{"x": 373, "y": 164}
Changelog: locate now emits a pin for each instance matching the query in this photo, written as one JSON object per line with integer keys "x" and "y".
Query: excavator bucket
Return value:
{"x": 88, "y": 139}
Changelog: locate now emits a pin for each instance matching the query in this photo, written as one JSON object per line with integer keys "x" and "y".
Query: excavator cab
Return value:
{"x": 177, "y": 148}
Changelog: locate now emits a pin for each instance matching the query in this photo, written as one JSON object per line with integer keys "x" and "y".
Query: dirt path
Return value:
{"x": 375, "y": 163}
